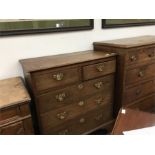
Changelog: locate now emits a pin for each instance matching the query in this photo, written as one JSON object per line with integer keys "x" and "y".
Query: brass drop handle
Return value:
{"x": 98, "y": 85}
{"x": 100, "y": 67}
{"x": 99, "y": 117}
{"x": 141, "y": 74}
{"x": 58, "y": 76}
{"x": 81, "y": 103}
{"x": 82, "y": 120}
{"x": 62, "y": 115}
{"x": 61, "y": 97}
{"x": 133, "y": 58}
{"x": 64, "y": 132}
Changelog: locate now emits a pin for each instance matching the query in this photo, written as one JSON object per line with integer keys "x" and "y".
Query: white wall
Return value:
{"x": 13, "y": 48}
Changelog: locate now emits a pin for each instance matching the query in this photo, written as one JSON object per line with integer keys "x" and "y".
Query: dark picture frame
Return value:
{"x": 63, "y": 25}
{"x": 136, "y": 22}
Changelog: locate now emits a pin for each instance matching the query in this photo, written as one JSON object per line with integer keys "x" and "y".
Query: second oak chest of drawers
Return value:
{"x": 135, "y": 84}
{"x": 72, "y": 93}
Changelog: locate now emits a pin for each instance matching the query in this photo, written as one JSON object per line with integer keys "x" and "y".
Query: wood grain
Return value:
{"x": 131, "y": 120}
{"x": 129, "y": 42}
{"x": 15, "y": 117}
{"x": 47, "y": 62}
{"x": 8, "y": 92}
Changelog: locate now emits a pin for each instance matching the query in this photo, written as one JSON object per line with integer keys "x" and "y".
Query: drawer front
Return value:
{"x": 98, "y": 69}
{"x": 148, "y": 104}
{"x": 75, "y": 93}
{"x": 131, "y": 94}
{"x": 56, "y": 78}
{"x": 83, "y": 123}
{"x": 137, "y": 56}
{"x": 15, "y": 111}
{"x": 10, "y": 112}
{"x": 13, "y": 129}
{"x": 140, "y": 73}
{"x": 62, "y": 115}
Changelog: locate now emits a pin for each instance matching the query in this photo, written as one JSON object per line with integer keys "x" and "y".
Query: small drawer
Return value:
{"x": 72, "y": 94}
{"x": 14, "y": 112}
{"x": 9, "y": 112}
{"x": 99, "y": 69}
{"x": 140, "y": 73}
{"x": 138, "y": 56}
{"x": 13, "y": 129}
{"x": 44, "y": 80}
{"x": 136, "y": 92}
{"x": 83, "y": 123}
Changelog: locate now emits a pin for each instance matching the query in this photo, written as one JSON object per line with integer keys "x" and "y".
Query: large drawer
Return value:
{"x": 83, "y": 123}
{"x": 14, "y": 111}
{"x": 136, "y": 92}
{"x": 140, "y": 55}
{"x": 99, "y": 69}
{"x": 53, "y": 78}
{"x": 62, "y": 115}
{"x": 147, "y": 104}
{"x": 140, "y": 73}
{"x": 75, "y": 93}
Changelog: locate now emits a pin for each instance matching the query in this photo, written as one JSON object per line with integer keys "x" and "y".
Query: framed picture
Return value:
{"x": 29, "y": 26}
{"x": 114, "y": 23}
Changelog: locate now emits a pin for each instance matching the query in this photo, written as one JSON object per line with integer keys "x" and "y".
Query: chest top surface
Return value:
{"x": 129, "y": 42}
{"x": 47, "y": 62}
{"x": 12, "y": 91}
{"x": 129, "y": 119}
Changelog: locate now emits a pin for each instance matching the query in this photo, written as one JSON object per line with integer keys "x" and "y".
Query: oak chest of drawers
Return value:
{"x": 135, "y": 83}
{"x": 15, "y": 117}
{"x": 72, "y": 93}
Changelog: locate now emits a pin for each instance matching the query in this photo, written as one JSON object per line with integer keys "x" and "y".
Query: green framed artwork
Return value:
{"x": 114, "y": 23}
{"x": 31, "y": 26}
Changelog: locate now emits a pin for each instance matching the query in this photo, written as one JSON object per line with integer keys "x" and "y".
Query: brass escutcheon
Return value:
{"x": 60, "y": 97}
{"x": 141, "y": 74}
{"x": 80, "y": 86}
{"x": 82, "y": 120}
{"x": 62, "y": 115}
{"x": 81, "y": 103}
{"x": 133, "y": 58}
{"x": 58, "y": 76}
{"x": 99, "y": 101}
